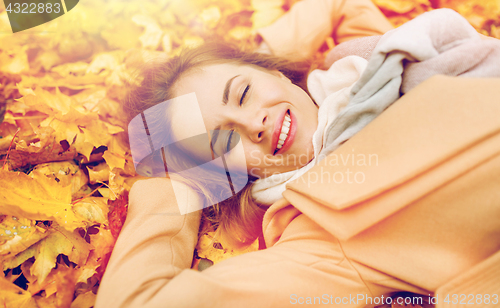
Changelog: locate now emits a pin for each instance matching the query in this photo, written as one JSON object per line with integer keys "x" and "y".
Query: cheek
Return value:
{"x": 253, "y": 155}
{"x": 238, "y": 157}
{"x": 273, "y": 91}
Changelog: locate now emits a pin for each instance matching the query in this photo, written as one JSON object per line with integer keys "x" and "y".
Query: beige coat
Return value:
{"x": 299, "y": 33}
{"x": 421, "y": 214}
{"x": 424, "y": 218}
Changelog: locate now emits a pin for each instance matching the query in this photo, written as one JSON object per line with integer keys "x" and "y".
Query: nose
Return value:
{"x": 254, "y": 124}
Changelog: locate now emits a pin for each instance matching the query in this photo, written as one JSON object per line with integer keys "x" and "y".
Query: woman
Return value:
{"x": 406, "y": 228}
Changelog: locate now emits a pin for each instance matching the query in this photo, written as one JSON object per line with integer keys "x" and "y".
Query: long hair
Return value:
{"x": 239, "y": 218}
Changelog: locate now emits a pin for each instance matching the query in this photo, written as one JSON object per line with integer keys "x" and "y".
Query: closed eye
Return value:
{"x": 228, "y": 145}
{"x": 244, "y": 94}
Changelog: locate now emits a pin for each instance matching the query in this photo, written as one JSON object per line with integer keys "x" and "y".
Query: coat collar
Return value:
{"x": 439, "y": 130}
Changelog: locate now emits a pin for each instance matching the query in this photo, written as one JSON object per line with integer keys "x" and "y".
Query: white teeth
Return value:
{"x": 285, "y": 128}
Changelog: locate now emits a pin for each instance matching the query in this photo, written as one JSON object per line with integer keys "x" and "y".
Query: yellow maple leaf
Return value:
{"x": 117, "y": 153}
{"x": 92, "y": 209}
{"x": 16, "y": 235}
{"x": 99, "y": 173}
{"x": 60, "y": 241}
{"x": 211, "y": 16}
{"x": 102, "y": 242}
{"x": 46, "y": 302}
{"x": 14, "y": 60}
{"x": 13, "y": 296}
{"x": 36, "y": 199}
{"x": 151, "y": 37}
{"x": 65, "y": 173}
{"x": 401, "y": 6}
{"x": 84, "y": 300}
{"x": 46, "y": 102}
{"x": 216, "y": 249}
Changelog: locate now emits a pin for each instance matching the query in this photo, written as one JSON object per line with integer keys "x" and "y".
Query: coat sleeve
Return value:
{"x": 150, "y": 264}
{"x": 302, "y": 30}
{"x": 155, "y": 244}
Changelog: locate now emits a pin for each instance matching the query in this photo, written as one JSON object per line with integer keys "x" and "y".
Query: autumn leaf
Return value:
{"x": 37, "y": 199}
{"x": 16, "y": 235}
{"x": 117, "y": 214}
{"x": 46, "y": 302}
{"x": 84, "y": 300}
{"x": 46, "y": 102}
{"x": 151, "y": 37}
{"x": 45, "y": 149}
{"x": 266, "y": 12}
{"x": 61, "y": 90}
{"x": 216, "y": 249}
{"x": 65, "y": 173}
{"x": 401, "y": 6}
{"x": 102, "y": 243}
{"x": 92, "y": 210}
{"x": 14, "y": 61}
{"x": 60, "y": 241}
{"x": 66, "y": 278}
{"x": 13, "y": 296}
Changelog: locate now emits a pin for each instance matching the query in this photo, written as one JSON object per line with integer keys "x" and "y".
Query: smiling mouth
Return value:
{"x": 284, "y": 133}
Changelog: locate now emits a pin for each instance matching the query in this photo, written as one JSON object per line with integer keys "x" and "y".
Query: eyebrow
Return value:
{"x": 225, "y": 96}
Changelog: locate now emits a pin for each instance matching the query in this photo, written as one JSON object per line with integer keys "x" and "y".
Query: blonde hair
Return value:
{"x": 239, "y": 218}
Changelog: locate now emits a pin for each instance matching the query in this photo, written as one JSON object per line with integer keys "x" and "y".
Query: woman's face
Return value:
{"x": 263, "y": 107}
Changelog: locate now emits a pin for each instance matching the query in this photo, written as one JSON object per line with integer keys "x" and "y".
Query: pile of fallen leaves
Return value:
{"x": 65, "y": 167}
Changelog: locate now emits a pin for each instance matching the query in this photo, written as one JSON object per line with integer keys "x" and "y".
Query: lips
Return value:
{"x": 277, "y": 131}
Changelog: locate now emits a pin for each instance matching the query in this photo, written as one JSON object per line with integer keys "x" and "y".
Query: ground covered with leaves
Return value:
{"x": 65, "y": 167}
